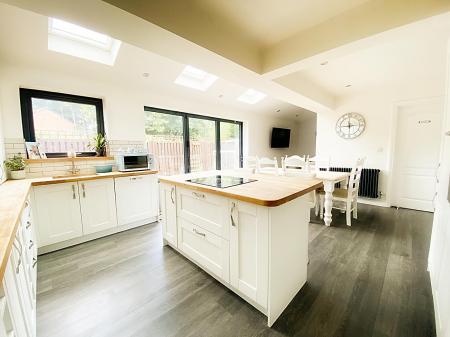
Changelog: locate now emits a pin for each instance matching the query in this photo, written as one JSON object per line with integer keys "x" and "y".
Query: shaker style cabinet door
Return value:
{"x": 168, "y": 206}
{"x": 137, "y": 198}
{"x": 98, "y": 205}
{"x": 57, "y": 213}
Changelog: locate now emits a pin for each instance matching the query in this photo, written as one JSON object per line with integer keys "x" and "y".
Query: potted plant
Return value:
{"x": 99, "y": 145}
{"x": 16, "y": 167}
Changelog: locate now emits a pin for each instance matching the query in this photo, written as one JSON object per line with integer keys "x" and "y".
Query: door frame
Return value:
{"x": 390, "y": 199}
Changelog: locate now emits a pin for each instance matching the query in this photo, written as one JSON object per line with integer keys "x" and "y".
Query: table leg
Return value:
{"x": 328, "y": 186}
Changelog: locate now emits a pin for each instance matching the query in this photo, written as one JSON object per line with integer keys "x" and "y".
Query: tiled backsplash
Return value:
{"x": 14, "y": 146}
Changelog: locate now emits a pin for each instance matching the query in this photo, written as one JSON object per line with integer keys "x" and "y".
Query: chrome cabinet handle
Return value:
{"x": 19, "y": 249}
{"x": 28, "y": 224}
{"x": 73, "y": 192}
{"x": 198, "y": 195}
{"x": 34, "y": 262}
{"x": 198, "y": 233}
{"x": 233, "y": 207}
{"x": 31, "y": 244}
{"x": 172, "y": 190}
{"x": 84, "y": 190}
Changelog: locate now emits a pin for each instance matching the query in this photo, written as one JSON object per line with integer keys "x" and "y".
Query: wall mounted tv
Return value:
{"x": 280, "y": 138}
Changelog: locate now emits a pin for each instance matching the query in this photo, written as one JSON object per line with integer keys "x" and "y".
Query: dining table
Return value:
{"x": 330, "y": 179}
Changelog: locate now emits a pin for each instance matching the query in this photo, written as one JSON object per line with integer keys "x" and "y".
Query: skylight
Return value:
{"x": 251, "y": 96}
{"x": 195, "y": 78}
{"x": 74, "y": 40}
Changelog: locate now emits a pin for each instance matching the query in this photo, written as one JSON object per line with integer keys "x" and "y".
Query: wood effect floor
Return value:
{"x": 367, "y": 280}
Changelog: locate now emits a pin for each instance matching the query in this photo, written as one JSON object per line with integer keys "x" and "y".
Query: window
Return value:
{"x": 251, "y": 96}
{"x": 60, "y": 122}
{"x": 195, "y": 78}
{"x": 70, "y": 39}
{"x": 184, "y": 142}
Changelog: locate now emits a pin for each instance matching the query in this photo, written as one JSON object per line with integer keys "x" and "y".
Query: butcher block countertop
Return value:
{"x": 268, "y": 190}
{"x": 13, "y": 194}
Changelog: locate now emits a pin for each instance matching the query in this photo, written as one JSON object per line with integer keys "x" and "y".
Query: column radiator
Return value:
{"x": 368, "y": 186}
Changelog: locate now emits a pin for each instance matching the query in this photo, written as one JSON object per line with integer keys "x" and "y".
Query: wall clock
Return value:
{"x": 350, "y": 125}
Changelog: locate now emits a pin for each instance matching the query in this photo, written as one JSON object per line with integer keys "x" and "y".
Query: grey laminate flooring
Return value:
{"x": 367, "y": 280}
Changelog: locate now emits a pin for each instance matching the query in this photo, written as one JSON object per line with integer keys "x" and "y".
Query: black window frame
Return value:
{"x": 26, "y": 106}
{"x": 186, "y": 149}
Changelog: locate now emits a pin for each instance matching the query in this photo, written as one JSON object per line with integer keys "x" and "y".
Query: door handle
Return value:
{"x": 233, "y": 207}
{"x": 172, "y": 190}
{"x": 84, "y": 190}
{"x": 198, "y": 195}
{"x": 34, "y": 262}
{"x": 73, "y": 192}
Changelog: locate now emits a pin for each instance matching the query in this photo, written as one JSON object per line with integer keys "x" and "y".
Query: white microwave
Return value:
{"x": 135, "y": 162}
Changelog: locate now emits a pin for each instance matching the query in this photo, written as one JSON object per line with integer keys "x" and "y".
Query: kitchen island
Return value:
{"x": 252, "y": 237}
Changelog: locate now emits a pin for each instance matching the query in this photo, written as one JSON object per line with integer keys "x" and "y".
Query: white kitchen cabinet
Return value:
{"x": 205, "y": 210}
{"x": 249, "y": 256}
{"x": 137, "y": 199}
{"x": 57, "y": 213}
{"x": 168, "y": 217}
{"x": 98, "y": 205}
{"x": 205, "y": 248}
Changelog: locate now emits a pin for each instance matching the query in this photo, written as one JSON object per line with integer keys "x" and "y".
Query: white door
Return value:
{"x": 416, "y": 158}
{"x": 249, "y": 255}
{"x": 137, "y": 199}
{"x": 57, "y": 213}
{"x": 98, "y": 205}
{"x": 168, "y": 206}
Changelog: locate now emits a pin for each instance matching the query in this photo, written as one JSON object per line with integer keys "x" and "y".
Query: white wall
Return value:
{"x": 123, "y": 107}
{"x": 439, "y": 256}
{"x": 375, "y": 143}
{"x": 2, "y": 148}
{"x": 307, "y": 129}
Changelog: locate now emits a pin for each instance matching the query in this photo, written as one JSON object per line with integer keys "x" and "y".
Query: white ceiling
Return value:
{"x": 269, "y": 21}
{"x": 26, "y": 44}
{"x": 414, "y": 59}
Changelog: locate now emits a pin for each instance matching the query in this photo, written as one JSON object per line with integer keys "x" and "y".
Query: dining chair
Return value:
{"x": 346, "y": 200}
{"x": 251, "y": 162}
{"x": 267, "y": 165}
{"x": 318, "y": 163}
{"x": 294, "y": 163}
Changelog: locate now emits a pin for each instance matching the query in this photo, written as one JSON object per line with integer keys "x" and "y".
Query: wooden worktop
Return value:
{"x": 268, "y": 190}
{"x": 13, "y": 194}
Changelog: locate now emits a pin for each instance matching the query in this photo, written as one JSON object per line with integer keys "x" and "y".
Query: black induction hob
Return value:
{"x": 220, "y": 181}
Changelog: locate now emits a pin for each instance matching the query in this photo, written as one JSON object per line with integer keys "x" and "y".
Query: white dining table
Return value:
{"x": 329, "y": 179}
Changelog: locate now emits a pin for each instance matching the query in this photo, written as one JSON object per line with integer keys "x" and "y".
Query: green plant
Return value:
{"x": 99, "y": 145}
{"x": 16, "y": 163}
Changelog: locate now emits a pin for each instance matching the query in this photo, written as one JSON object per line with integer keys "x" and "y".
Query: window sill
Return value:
{"x": 54, "y": 160}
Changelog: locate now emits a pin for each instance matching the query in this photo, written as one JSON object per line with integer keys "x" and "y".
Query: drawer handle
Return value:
{"x": 198, "y": 233}
{"x": 233, "y": 207}
{"x": 19, "y": 249}
{"x": 34, "y": 262}
{"x": 73, "y": 192}
{"x": 84, "y": 190}
{"x": 199, "y": 195}
{"x": 172, "y": 190}
{"x": 31, "y": 244}
{"x": 28, "y": 224}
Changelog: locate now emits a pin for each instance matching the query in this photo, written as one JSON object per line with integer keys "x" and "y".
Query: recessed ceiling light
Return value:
{"x": 348, "y": 85}
{"x": 195, "y": 78}
{"x": 145, "y": 74}
{"x": 74, "y": 40}
{"x": 251, "y": 96}
{"x": 323, "y": 63}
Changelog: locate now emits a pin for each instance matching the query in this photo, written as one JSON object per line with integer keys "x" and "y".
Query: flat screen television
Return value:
{"x": 280, "y": 138}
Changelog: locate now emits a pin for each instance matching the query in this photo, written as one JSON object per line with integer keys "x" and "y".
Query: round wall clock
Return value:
{"x": 350, "y": 125}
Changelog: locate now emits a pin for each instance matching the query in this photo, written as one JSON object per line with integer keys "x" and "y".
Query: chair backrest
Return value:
{"x": 295, "y": 162}
{"x": 320, "y": 162}
{"x": 251, "y": 162}
{"x": 267, "y": 165}
{"x": 355, "y": 177}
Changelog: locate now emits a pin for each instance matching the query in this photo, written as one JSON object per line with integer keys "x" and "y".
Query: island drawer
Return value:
{"x": 207, "y": 211}
{"x": 205, "y": 248}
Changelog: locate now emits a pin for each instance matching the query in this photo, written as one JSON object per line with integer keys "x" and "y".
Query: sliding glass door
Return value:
{"x": 184, "y": 142}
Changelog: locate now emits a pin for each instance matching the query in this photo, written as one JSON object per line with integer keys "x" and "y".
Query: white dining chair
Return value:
{"x": 251, "y": 163}
{"x": 294, "y": 163}
{"x": 318, "y": 163}
{"x": 346, "y": 200}
{"x": 267, "y": 165}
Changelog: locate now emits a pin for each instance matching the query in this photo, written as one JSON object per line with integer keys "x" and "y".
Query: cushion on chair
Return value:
{"x": 338, "y": 193}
